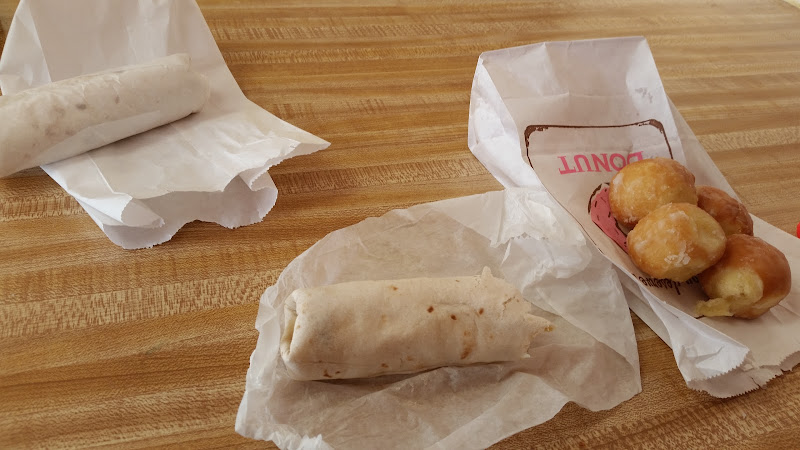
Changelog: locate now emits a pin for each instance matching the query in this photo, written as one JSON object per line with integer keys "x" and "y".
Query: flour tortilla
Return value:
{"x": 371, "y": 328}
{"x": 58, "y": 120}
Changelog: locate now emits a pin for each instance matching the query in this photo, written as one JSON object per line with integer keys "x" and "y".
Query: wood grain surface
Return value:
{"x": 105, "y": 347}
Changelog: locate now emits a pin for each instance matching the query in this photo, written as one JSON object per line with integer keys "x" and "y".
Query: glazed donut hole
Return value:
{"x": 645, "y": 185}
{"x": 729, "y": 212}
{"x": 751, "y": 277}
{"x": 676, "y": 241}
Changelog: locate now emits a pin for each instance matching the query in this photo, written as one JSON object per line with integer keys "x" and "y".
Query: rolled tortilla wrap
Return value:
{"x": 370, "y": 328}
{"x": 58, "y": 120}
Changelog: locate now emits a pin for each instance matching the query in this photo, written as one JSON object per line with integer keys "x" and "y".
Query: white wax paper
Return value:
{"x": 567, "y": 116}
{"x": 523, "y": 236}
{"x": 210, "y": 166}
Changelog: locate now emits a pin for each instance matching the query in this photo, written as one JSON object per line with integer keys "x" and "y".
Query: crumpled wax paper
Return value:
{"x": 567, "y": 116}
{"x": 523, "y": 236}
{"x": 210, "y": 166}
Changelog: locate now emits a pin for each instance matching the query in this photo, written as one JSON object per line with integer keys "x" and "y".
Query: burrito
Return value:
{"x": 62, "y": 119}
{"x": 370, "y": 328}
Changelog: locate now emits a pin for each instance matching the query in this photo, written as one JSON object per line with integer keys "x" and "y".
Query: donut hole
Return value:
{"x": 641, "y": 187}
{"x": 676, "y": 241}
{"x": 750, "y": 278}
{"x": 729, "y": 212}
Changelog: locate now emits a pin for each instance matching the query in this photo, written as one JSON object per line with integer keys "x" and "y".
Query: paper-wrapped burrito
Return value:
{"x": 528, "y": 242}
{"x": 65, "y": 118}
{"x": 210, "y": 166}
{"x": 370, "y": 328}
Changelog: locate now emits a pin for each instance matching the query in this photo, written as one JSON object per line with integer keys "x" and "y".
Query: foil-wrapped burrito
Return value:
{"x": 370, "y": 328}
{"x": 62, "y": 119}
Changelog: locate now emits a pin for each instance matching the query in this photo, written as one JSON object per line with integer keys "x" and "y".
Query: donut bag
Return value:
{"x": 568, "y": 116}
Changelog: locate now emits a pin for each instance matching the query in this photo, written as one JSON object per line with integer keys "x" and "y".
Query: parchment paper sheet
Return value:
{"x": 210, "y": 166}
{"x": 523, "y": 236}
{"x": 568, "y": 116}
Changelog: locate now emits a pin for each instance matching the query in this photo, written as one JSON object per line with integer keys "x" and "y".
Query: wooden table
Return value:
{"x": 102, "y": 346}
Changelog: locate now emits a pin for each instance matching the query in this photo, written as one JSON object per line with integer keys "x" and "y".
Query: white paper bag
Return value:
{"x": 210, "y": 166}
{"x": 568, "y": 116}
{"x": 523, "y": 236}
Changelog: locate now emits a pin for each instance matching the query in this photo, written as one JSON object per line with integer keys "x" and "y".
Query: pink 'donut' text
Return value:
{"x": 600, "y": 162}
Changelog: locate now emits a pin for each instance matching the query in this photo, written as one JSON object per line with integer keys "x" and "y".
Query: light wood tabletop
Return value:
{"x": 130, "y": 349}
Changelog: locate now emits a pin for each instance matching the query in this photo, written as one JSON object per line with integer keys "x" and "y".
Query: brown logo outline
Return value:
{"x": 530, "y": 129}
